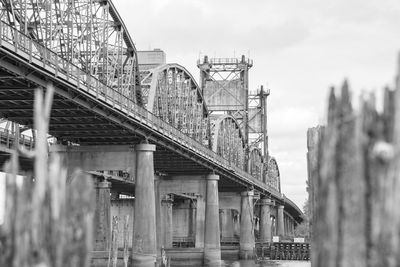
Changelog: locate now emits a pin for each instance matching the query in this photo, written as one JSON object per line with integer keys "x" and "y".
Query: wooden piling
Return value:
{"x": 355, "y": 188}
{"x": 114, "y": 243}
{"x": 48, "y": 221}
{"x": 126, "y": 240}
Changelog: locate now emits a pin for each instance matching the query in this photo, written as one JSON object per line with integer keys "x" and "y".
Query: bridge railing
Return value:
{"x": 8, "y": 138}
{"x": 226, "y": 61}
{"x": 39, "y": 55}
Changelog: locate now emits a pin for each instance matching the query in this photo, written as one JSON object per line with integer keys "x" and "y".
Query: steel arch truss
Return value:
{"x": 256, "y": 164}
{"x": 228, "y": 140}
{"x": 273, "y": 175}
{"x": 88, "y": 33}
{"x": 173, "y": 95}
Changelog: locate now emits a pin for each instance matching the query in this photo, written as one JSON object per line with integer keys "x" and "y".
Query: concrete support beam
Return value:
{"x": 247, "y": 241}
{"x": 144, "y": 247}
{"x": 166, "y": 221}
{"x": 265, "y": 220}
{"x": 93, "y": 158}
{"x": 102, "y": 216}
{"x": 280, "y": 221}
{"x": 212, "y": 246}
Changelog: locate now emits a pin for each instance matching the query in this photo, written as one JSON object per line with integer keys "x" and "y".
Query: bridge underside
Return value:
{"x": 77, "y": 119}
{"x": 74, "y": 120}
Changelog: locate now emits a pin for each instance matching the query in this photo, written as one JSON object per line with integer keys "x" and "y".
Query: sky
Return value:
{"x": 299, "y": 49}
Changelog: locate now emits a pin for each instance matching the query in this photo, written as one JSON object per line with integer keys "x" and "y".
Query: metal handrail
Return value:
{"x": 226, "y": 61}
{"x": 88, "y": 83}
{"x": 8, "y": 137}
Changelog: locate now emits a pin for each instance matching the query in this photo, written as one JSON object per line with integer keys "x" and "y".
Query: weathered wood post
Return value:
{"x": 48, "y": 221}
{"x": 356, "y": 184}
{"x": 314, "y": 136}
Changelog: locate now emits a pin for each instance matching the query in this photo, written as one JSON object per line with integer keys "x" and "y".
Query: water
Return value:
{"x": 251, "y": 263}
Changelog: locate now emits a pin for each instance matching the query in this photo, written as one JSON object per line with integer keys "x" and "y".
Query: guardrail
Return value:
{"x": 37, "y": 54}
{"x": 183, "y": 242}
{"x": 227, "y": 61}
{"x": 229, "y": 241}
{"x": 8, "y": 138}
{"x": 283, "y": 251}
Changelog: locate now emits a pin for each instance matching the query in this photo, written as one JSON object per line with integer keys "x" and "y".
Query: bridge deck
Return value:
{"x": 85, "y": 111}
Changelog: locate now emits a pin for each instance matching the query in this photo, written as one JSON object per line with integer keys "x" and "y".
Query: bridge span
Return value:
{"x": 185, "y": 176}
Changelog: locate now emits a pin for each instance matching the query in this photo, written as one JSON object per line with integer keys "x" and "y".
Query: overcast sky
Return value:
{"x": 299, "y": 48}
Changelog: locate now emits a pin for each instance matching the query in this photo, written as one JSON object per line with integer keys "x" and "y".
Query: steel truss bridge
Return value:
{"x": 84, "y": 49}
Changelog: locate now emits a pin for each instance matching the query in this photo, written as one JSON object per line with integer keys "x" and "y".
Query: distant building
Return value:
{"x": 150, "y": 59}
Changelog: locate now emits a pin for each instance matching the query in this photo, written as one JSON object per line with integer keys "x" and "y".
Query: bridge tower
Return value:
{"x": 257, "y": 126}
{"x": 225, "y": 88}
{"x": 224, "y": 84}
{"x": 258, "y": 130}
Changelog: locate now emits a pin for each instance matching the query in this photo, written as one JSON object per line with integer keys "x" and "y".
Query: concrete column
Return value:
{"x": 291, "y": 227}
{"x": 144, "y": 247}
{"x": 273, "y": 221}
{"x": 158, "y": 217}
{"x": 192, "y": 220}
{"x": 200, "y": 217}
{"x": 166, "y": 215}
{"x": 102, "y": 216}
{"x": 265, "y": 220}
{"x": 212, "y": 246}
{"x": 286, "y": 226}
{"x": 280, "y": 224}
{"x": 247, "y": 242}
{"x": 226, "y": 221}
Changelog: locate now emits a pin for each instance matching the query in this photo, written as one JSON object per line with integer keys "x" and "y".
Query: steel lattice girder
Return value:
{"x": 273, "y": 175}
{"x": 224, "y": 83}
{"x": 174, "y": 96}
{"x": 256, "y": 163}
{"x": 228, "y": 140}
{"x": 88, "y": 33}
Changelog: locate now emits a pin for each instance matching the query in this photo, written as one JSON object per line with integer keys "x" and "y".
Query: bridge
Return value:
{"x": 154, "y": 141}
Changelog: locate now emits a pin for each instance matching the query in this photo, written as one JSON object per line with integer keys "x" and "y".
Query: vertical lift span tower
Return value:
{"x": 225, "y": 87}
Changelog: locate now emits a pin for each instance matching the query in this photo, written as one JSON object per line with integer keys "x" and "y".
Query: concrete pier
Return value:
{"x": 166, "y": 221}
{"x": 200, "y": 219}
{"x": 158, "y": 218}
{"x": 102, "y": 216}
{"x": 226, "y": 222}
{"x": 247, "y": 241}
{"x": 144, "y": 247}
{"x": 265, "y": 220}
{"x": 212, "y": 246}
{"x": 280, "y": 222}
